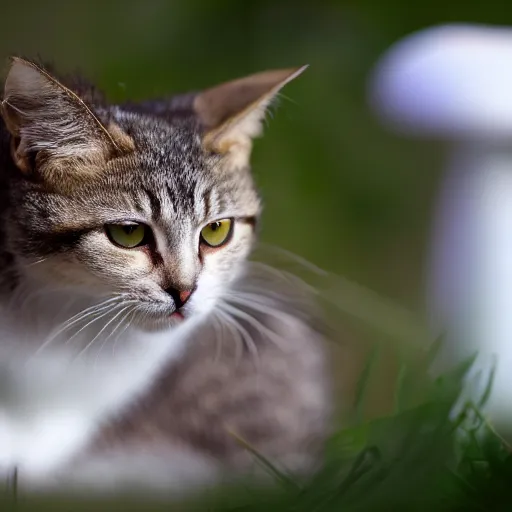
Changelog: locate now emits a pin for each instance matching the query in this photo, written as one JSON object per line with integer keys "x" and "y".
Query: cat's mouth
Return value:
{"x": 163, "y": 316}
{"x": 178, "y": 315}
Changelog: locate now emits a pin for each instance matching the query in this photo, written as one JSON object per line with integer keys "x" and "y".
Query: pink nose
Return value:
{"x": 180, "y": 296}
{"x": 184, "y": 295}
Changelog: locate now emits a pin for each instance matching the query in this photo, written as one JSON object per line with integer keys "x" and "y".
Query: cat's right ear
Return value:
{"x": 53, "y": 131}
{"x": 232, "y": 113}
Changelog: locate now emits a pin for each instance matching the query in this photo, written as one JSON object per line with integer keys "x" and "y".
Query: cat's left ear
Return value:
{"x": 54, "y": 133}
{"x": 232, "y": 113}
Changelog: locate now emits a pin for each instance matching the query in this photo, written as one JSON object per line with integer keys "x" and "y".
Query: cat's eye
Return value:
{"x": 217, "y": 233}
{"x": 127, "y": 235}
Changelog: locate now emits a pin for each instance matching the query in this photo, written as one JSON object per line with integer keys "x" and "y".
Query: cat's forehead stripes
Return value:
{"x": 201, "y": 202}
{"x": 172, "y": 177}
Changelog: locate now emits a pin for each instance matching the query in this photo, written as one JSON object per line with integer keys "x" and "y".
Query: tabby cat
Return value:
{"x": 139, "y": 347}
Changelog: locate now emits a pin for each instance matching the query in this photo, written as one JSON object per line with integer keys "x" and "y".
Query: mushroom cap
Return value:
{"x": 452, "y": 80}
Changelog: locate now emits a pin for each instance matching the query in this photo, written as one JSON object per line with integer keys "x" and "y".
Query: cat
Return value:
{"x": 139, "y": 345}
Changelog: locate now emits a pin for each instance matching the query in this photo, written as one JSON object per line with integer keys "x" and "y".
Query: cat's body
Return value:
{"x": 144, "y": 364}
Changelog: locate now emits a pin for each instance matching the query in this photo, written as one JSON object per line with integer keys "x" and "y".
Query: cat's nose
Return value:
{"x": 180, "y": 296}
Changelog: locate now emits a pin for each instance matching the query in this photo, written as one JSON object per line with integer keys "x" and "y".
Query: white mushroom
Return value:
{"x": 455, "y": 82}
{"x": 452, "y": 80}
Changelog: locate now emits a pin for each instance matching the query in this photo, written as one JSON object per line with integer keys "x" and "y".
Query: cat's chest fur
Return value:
{"x": 54, "y": 400}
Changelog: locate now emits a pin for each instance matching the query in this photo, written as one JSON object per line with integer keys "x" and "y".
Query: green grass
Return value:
{"x": 419, "y": 458}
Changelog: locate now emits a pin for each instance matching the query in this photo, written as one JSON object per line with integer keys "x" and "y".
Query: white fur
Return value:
{"x": 51, "y": 401}
{"x": 176, "y": 472}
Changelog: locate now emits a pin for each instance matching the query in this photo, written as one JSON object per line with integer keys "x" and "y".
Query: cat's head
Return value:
{"x": 153, "y": 204}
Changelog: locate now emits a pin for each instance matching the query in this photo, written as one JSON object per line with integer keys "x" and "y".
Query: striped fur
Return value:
{"x": 105, "y": 388}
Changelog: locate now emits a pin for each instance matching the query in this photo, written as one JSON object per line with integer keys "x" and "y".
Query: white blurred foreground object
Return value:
{"x": 455, "y": 82}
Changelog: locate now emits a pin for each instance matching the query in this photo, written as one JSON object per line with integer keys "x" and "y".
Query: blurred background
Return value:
{"x": 339, "y": 189}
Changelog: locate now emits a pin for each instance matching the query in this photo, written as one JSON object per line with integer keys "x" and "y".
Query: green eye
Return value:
{"x": 216, "y": 233}
{"x": 127, "y": 236}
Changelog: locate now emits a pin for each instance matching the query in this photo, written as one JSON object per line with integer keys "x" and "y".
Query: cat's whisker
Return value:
{"x": 126, "y": 326}
{"x": 283, "y": 275}
{"x": 247, "y": 338}
{"x": 280, "y": 272}
{"x": 218, "y": 333}
{"x": 296, "y": 258}
{"x": 261, "y": 294}
{"x": 84, "y": 350}
{"x": 259, "y": 326}
{"x": 255, "y": 302}
{"x": 79, "y": 317}
{"x": 103, "y": 314}
{"x": 130, "y": 310}
{"x": 142, "y": 315}
{"x": 94, "y": 307}
{"x": 237, "y": 338}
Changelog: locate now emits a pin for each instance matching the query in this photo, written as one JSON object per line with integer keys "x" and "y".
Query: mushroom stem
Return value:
{"x": 470, "y": 284}
{"x": 454, "y": 82}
